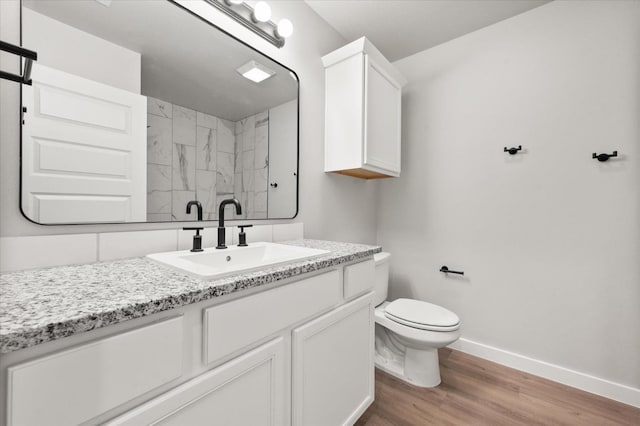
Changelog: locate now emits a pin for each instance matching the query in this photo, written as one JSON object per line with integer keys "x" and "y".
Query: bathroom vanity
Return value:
{"x": 134, "y": 342}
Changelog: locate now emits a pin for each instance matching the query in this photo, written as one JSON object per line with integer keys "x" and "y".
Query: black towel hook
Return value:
{"x": 513, "y": 150}
{"x": 604, "y": 157}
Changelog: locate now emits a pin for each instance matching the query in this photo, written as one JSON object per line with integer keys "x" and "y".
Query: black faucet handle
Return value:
{"x": 242, "y": 237}
{"x": 197, "y": 239}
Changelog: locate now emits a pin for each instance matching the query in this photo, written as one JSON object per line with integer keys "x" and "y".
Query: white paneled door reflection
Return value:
{"x": 83, "y": 150}
{"x": 283, "y": 160}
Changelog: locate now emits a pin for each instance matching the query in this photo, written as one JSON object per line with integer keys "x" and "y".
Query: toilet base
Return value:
{"x": 422, "y": 368}
{"x": 419, "y": 367}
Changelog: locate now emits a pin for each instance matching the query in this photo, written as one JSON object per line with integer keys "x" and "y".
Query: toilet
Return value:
{"x": 409, "y": 332}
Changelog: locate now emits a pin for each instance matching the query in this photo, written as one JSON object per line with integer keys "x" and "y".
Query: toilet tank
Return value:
{"x": 382, "y": 277}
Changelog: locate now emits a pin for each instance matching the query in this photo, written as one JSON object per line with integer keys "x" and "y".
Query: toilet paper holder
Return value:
{"x": 446, "y": 270}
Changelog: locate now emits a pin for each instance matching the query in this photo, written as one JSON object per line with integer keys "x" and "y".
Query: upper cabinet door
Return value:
{"x": 362, "y": 117}
{"x": 383, "y": 99}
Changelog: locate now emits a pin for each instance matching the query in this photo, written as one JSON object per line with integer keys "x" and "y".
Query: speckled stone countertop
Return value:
{"x": 41, "y": 305}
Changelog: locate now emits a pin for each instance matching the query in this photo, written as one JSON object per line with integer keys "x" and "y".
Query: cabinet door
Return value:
{"x": 383, "y": 97}
{"x": 344, "y": 114}
{"x": 333, "y": 369}
{"x": 248, "y": 390}
{"x": 77, "y": 384}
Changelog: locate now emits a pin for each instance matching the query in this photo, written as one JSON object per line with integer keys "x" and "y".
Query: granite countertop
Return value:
{"x": 42, "y": 305}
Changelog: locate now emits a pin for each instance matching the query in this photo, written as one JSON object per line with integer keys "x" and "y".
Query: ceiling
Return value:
{"x": 399, "y": 28}
{"x": 185, "y": 61}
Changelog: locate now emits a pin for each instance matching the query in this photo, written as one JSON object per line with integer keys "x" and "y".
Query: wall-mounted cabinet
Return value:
{"x": 362, "y": 112}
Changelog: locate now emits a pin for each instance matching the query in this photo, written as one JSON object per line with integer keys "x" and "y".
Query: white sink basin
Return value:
{"x": 212, "y": 264}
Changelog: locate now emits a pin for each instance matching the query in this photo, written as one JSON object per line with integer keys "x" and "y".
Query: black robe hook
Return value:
{"x": 513, "y": 150}
{"x": 604, "y": 157}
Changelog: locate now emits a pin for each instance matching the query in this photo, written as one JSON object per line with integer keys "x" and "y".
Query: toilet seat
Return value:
{"x": 422, "y": 315}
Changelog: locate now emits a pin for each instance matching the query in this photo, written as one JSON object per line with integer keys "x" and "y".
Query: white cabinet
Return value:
{"x": 248, "y": 390}
{"x": 359, "y": 279}
{"x": 251, "y": 322}
{"x": 362, "y": 112}
{"x": 299, "y": 353}
{"x": 333, "y": 366}
{"x": 79, "y": 383}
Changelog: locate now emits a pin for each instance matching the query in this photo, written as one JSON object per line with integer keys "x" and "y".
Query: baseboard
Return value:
{"x": 585, "y": 382}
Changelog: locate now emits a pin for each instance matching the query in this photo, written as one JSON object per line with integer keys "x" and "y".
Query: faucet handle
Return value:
{"x": 197, "y": 239}
{"x": 242, "y": 237}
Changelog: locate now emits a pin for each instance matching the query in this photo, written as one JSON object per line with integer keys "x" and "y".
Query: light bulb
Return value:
{"x": 285, "y": 28}
{"x": 262, "y": 12}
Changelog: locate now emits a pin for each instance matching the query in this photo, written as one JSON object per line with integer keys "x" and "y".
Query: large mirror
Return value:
{"x": 138, "y": 107}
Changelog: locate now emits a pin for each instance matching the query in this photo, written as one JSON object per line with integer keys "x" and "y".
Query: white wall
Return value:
{"x": 68, "y": 49}
{"x": 331, "y": 206}
{"x": 549, "y": 239}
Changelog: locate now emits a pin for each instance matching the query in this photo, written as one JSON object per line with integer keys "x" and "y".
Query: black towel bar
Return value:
{"x": 28, "y": 55}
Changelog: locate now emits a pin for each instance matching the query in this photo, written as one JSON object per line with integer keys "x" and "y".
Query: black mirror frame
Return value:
{"x": 297, "y": 173}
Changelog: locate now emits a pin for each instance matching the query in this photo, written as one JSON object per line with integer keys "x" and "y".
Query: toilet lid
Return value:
{"x": 423, "y": 315}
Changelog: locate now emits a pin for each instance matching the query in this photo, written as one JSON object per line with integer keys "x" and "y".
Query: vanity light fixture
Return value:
{"x": 257, "y": 19}
{"x": 284, "y": 28}
{"x": 261, "y": 13}
{"x": 255, "y": 71}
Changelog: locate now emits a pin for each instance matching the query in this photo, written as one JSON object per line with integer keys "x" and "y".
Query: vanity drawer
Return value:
{"x": 75, "y": 385}
{"x": 232, "y": 326}
{"x": 359, "y": 278}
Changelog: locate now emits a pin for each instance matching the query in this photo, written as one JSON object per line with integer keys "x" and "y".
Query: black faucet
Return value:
{"x": 221, "y": 230}
{"x": 197, "y": 239}
{"x": 198, "y": 206}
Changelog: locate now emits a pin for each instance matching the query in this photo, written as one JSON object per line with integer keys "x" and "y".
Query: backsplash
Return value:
{"x": 196, "y": 156}
{"x": 20, "y": 253}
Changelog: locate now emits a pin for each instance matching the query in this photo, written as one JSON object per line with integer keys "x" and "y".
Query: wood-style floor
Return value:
{"x": 479, "y": 392}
